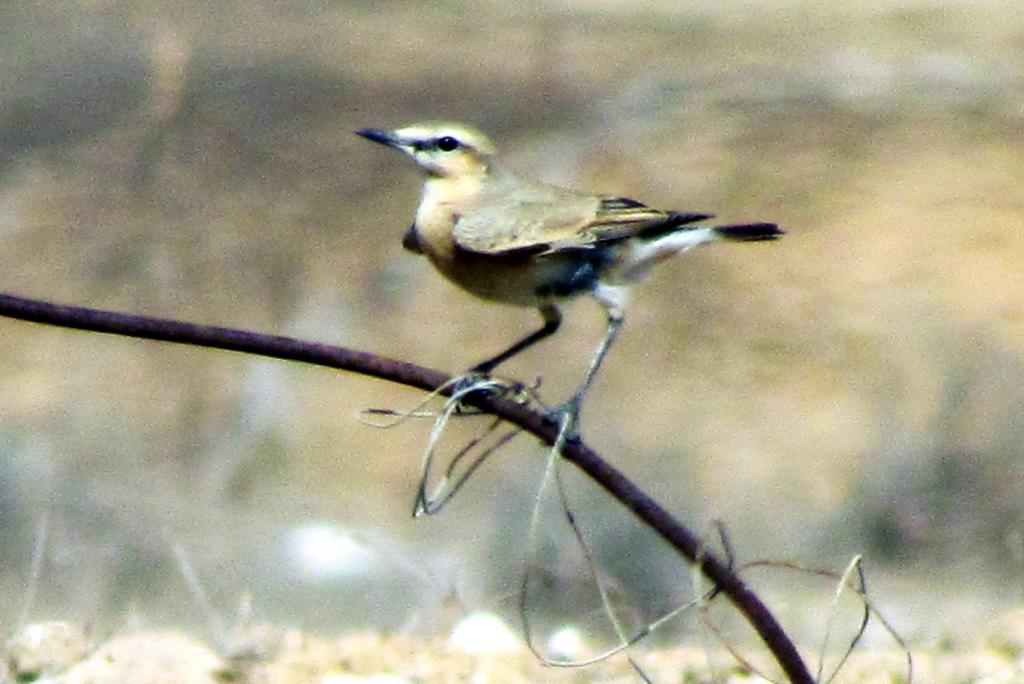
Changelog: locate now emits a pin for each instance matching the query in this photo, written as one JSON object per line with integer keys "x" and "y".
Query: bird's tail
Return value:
{"x": 646, "y": 253}
{"x": 748, "y": 232}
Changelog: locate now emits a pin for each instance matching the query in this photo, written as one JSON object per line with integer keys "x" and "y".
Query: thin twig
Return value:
{"x": 35, "y": 569}
{"x": 842, "y": 585}
{"x": 602, "y": 472}
{"x": 860, "y": 588}
{"x": 214, "y": 620}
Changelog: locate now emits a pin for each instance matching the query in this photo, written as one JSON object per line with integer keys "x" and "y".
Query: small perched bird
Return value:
{"x": 512, "y": 239}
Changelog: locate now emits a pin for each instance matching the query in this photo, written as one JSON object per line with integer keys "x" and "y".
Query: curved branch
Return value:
{"x": 603, "y": 473}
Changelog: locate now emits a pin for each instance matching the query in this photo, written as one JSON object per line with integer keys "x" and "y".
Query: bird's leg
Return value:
{"x": 552, "y": 320}
{"x": 613, "y": 299}
{"x": 570, "y": 410}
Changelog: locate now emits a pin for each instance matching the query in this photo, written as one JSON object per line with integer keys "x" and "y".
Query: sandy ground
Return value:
{"x": 58, "y": 653}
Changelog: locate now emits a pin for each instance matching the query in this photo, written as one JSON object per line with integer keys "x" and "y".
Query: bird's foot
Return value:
{"x": 472, "y": 383}
{"x": 477, "y": 383}
{"x": 567, "y": 417}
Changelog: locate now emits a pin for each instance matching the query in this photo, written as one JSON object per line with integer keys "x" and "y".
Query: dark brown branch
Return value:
{"x": 602, "y": 472}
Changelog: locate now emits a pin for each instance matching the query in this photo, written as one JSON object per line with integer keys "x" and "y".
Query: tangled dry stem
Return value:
{"x": 576, "y": 451}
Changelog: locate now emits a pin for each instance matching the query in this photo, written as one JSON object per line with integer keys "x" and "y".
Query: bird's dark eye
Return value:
{"x": 447, "y": 143}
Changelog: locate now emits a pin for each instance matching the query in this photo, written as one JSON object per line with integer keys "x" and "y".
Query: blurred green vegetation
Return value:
{"x": 853, "y": 388}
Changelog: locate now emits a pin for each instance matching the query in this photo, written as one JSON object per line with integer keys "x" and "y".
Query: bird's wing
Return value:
{"x": 554, "y": 220}
{"x": 622, "y": 217}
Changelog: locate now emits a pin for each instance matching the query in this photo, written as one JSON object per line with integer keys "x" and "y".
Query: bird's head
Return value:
{"x": 445, "y": 150}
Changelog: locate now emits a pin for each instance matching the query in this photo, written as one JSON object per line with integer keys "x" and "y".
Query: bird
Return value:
{"x": 513, "y": 239}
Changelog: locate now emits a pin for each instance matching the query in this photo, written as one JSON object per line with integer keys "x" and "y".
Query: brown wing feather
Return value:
{"x": 514, "y": 214}
{"x": 622, "y": 217}
{"x": 561, "y": 220}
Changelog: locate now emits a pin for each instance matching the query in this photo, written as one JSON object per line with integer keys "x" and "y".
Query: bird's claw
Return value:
{"x": 465, "y": 386}
{"x": 476, "y": 383}
{"x": 567, "y": 417}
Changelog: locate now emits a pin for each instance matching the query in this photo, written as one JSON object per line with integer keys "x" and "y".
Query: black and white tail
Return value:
{"x": 645, "y": 253}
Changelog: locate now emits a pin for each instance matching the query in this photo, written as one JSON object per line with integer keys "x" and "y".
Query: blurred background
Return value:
{"x": 853, "y": 388}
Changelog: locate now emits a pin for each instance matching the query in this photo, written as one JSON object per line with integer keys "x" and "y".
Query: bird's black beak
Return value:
{"x": 378, "y": 136}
